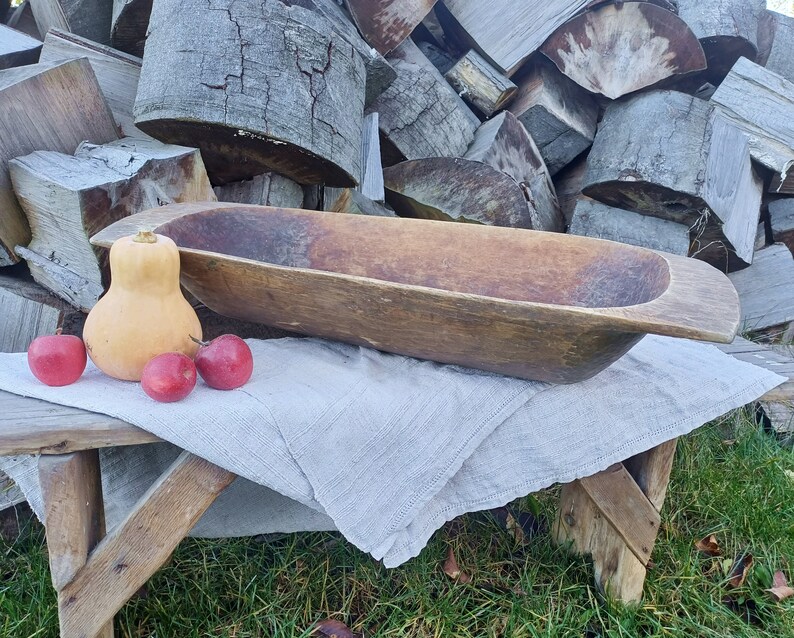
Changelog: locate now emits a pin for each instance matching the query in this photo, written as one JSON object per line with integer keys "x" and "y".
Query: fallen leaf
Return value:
{"x": 330, "y": 628}
{"x": 520, "y": 525}
{"x": 780, "y": 589}
{"x": 709, "y": 545}
{"x": 452, "y": 570}
{"x": 741, "y": 567}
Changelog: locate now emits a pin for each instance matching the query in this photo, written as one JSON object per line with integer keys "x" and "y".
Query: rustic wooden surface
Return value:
{"x": 594, "y": 219}
{"x": 568, "y": 186}
{"x": 69, "y": 101}
{"x": 676, "y": 167}
{"x": 761, "y": 104}
{"x": 559, "y": 115}
{"x": 510, "y": 31}
{"x": 128, "y": 23}
{"x": 780, "y": 57}
{"x": 348, "y": 200}
{"x": 503, "y": 142}
{"x": 116, "y": 72}
{"x": 386, "y": 23}
{"x": 31, "y": 426}
{"x": 616, "y": 49}
{"x": 17, "y": 48}
{"x": 371, "y": 185}
{"x": 76, "y": 196}
{"x": 419, "y": 114}
{"x": 766, "y": 289}
{"x": 476, "y": 295}
{"x": 781, "y": 220}
{"x": 481, "y": 85}
{"x": 766, "y": 357}
{"x": 133, "y": 551}
{"x": 243, "y": 96}
{"x": 268, "y": 189}
{"x": 456, "y": 189}
{"x": 87, "y": 18}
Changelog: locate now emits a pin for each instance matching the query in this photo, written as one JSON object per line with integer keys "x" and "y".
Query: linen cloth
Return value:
{"x": 387, "y": 448}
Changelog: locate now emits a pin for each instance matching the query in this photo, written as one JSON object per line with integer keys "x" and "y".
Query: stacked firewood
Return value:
{"x": 665, "y": 124}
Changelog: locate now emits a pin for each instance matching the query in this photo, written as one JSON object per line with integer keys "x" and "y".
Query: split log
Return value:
{"x": 477, "y": 82}
{"x": 781, "y": 220}
{"x": 268, "y": 189}
{"x": 116, "y": 72}
{"x": 386, "y": 23}
{"x": 257, "y": 86}
{"x": 568, "y": 186}
{"x": 727, "y": 29}
{"x": 455, "y": 189}
{"x": 665, "y": 154}
{"x": 508, "y": 32}
{"x": 503, "y": 142}
{"x": 348, "y": 200}
{"x": 760, "y": 237}
{"x": 371, "y": 185}
{"x": 29, "y": 311}
{"x": 17, "y": 48}
{"x": 780, "y": 58}
{"x": 616, "y": 49}
{"x": 761, "y": 103}
{"x": 594, "y": 219}
{"x": 45, "y": 107}
{"x": 70, "y": 198}
{"x": 22, "y": 20}
{"x": 439, "y": 58}
{"x": 559, "y": 115}
{"x": 766, "y": 289}
{"x": 419, "y": 114}
{"x": 87, "y": 18}
{"x": 128, "y": 24}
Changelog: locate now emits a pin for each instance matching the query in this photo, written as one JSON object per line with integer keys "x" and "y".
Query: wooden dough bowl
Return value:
{"x": 525, "y": 303}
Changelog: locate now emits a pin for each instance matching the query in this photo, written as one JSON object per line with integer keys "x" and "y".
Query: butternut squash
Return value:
{"x": 143, "y": 313}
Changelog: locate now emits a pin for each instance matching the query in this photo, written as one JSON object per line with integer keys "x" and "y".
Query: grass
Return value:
{"x": 246, "y": 588}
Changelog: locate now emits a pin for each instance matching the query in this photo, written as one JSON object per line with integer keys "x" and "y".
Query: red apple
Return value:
{"x": 57, "y": 359}
{"x": 225, "y": 362}
{"x": 169, "y": 377}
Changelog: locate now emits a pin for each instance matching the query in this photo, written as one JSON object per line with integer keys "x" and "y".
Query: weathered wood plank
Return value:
{"x": 69, "y": 109}
{"x": 620, "y": 48}
{"x": 245, "y": 97}
{"x": 651, "y": 471}
{"x": 31, "y": 426}
{"x": 479, "y": 84}
{"x": 386, "y": 23}
{"x": 371, "y": 184}
{"x": 594, "y": 219}
{"x": 503, "y": 142}
{"x": 268, "y": 189}
{"x": 117, "y": 73}
{"x": 766, "y": 289}
{"x": 140, "y": 544}
{"x": 87, "y": 18}
{"x": 17, "y": 48}
{"x": 559, "y": 115}
{"x": 780, "y": 57}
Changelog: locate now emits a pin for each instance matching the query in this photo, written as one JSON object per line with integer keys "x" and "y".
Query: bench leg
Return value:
{"x": 614, "y": 517}
{"x": 90, "y": 594}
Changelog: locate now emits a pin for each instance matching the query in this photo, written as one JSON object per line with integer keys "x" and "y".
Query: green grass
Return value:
{"x": 253, "y": 588}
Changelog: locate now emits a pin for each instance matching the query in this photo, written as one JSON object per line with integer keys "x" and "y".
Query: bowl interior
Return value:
{"x": 466, "y": 258}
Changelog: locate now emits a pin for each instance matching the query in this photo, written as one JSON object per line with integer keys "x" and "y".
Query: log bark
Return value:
{"x": 727, "y": 29}
{"x": 87, "y": 18}
{"x": 419, "y": 114}
{"x": 761, "y": 104}
{"x": 559, "y": 115}
{"x": 29, "y": 311}
{"x": 666, "y": 154}
{"x": 69, "y": 109}
{"x": 508, "y": 32}
{"x": 260, "y": 86}
{"x": 766, "y": 289}
{"x": 594, "y": 219}
{"x": 128, "y": 24}
{"x": 503, "y": 142}
{"x": 116, "y": 72}
{"x": 74, "y": 197}
{"x": 268, "y": 189}
{"x": 482, "y": 86}
{"x": 22, "y": 20}
{"x": 781, "y": 220}
{"x": 386, "y": 23}
{"x": 455, "y": 189}
{"x": 17, "y": 48}
{"x": 617, "y": 49}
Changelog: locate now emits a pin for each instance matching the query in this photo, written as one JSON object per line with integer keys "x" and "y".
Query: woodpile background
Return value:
{"x": 666, "y": 124}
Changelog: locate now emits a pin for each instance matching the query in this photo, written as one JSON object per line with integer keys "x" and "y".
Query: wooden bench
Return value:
{"x": 613, "y": 515}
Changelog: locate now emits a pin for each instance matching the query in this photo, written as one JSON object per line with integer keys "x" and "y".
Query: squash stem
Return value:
{"x": 145, "y": 237}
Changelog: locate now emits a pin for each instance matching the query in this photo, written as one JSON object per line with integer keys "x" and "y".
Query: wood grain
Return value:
{"x": 651, "y": 471}
{"x": 267, "y": 189}
{"x": 140, "y": 544}
{"x": 514, "y": 301}
{"x": 129, "y": 21}
{"x": 477, "y": 82}
{"x": 17, "y": 48}
{"x": 766, "y": 289}
{"x": 386, "y": 23}
{"x": 87, "y": 18}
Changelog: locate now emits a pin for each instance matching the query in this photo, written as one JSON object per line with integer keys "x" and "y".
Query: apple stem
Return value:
{"x": 58, "y": 332}
{"x": 198, "y": 341}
